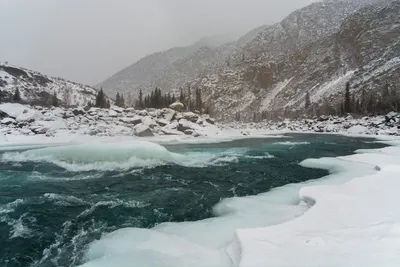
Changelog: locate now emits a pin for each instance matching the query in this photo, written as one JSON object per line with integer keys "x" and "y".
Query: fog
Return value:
{"x": 89, "y": 40}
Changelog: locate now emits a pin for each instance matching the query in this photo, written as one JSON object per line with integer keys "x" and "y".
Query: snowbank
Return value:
{"x": 351, "y": 224}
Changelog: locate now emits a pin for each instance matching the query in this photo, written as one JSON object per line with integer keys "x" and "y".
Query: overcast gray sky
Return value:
{"x": 89, "y": 40}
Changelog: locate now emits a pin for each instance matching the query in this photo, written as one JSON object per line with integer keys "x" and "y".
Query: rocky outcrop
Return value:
{"x": 27, "y": 120}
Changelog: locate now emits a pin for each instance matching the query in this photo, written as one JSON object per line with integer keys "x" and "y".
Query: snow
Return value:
{"x": 269, "y": 98}
{"x": 7, "y": 121}
{"x": 330, "y": 88}
{"x": 351, "y": 224}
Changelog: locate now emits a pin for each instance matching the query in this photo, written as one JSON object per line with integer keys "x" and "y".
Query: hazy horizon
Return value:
{"x": 87, "y": 41}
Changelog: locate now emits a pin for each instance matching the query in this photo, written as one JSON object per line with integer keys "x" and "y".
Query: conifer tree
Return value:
{"x": 17, "y": 96}
{"x": 141, "y": 104}
{"x": 54, "y": 100}
{"x": 121, "y": 101}
{"x": 108, "y": 104}
{"x": 100, "y": 99}
{"x": 199, "y": 102}
{"x": 307, "y": 100}
{"x": 347, "y": 100}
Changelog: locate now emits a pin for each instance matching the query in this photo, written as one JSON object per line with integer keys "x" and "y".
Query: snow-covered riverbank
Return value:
{"x": 25, "y": 124}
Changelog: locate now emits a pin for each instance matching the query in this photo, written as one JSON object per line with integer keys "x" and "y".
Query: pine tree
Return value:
{"x": 182, "y": 97}
{"x": 54, "y": 100}
{"x": 189, "y": 100}
{"x": 364, "y": 101}
{"x": 141, "y": 104}
{"x": 199, "y": 102}
{"x": 117, "y": 100}
{"x": 17, "y": 96}
{"x": 353, "y": 103}
{"x": 108, "y": 104}
{"x": 307, "y": 101}
{"x": 371, "y": 103}
{"x": 122, "y": 101}
{"x": 100, "y": 99}
{"x": 347, "y": 100}
{"x": 173, "y": 100}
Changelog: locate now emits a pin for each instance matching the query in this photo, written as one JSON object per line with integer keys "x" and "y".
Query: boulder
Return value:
{"x": 177, "y": 106}
{"x": 184, "y": 125}
{"x": 112, "y": 113}
{"x": 162, "y": 122}
{"x": 189, "y": 131}
{"x": 168, "y": 114}
{"x": 135, "y": 120}
{"x": 142, "y": 130}
{"x": 78, "y": 111}
{"x": 8, "y": 121}
{"x": 117, "y": 109}
{"x": 190, "y": 116}
{"x": 210, "y": 120}
{"x": 167, "y": 131}
{"x": 148, "y": 121}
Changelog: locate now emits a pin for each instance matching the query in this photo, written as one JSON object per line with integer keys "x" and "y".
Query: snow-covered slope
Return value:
{"x": 163, "y": 68}
{"x": 317, "y": 50}
{"x": 37, "y": 88}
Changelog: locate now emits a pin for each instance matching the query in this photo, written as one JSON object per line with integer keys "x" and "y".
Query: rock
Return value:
{"x": 142, "y": 130}
{"x": 117, "y": 109}
{"x": 323, "y": 118}
{"x": 148, "y": 121}
{"x": 143, "y": 113}
{"x": 190, "y": 116}
{"x": 177, "y": 106}
{"x": 171, "y": 132}
{"x": 68, "y": 114}
{"x": 78, "y": 111}
{"x": 189, "y": 131}
{"x": 184, "y": 125}
{"x": 162, "y": 122}
{"x": 135, "y": 120}
{"x": 8, "y": 121}
{"x": 169, "y": 114}
{"x": 112, "y": 113}
{"x": 210, "y": 120}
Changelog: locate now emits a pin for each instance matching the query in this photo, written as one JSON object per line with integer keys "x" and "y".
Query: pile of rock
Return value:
{"x": 26, "y": 120}
{"x": 377, "y": 125}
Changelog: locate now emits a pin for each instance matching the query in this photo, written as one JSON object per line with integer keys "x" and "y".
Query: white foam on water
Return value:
{"x": 288, "y": 143}
{"x": 177, "y": 244}
{"x": 10, "y": 207}
{"x": 121, "y": 156}
{"x": 97, "y": 156}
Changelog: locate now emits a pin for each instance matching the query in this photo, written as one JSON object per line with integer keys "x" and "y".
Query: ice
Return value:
{"x": 96, "y": 156}
{"x": 143, "y": 247}
{"x": 351, "y": 224}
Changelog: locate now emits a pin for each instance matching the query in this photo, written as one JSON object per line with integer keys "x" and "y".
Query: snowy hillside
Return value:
{"x": 317, "y": 50}
{"x": 37, "y": 88}
{"x": 153, "y": 70}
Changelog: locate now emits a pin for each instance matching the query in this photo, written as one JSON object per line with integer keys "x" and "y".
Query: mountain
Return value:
{"x": 316, "y": 49}
{"x": 37, "y": 88}
{"x": 144, "y": 73}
